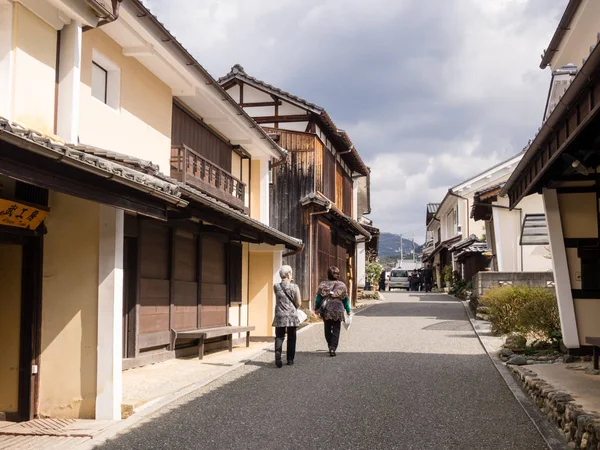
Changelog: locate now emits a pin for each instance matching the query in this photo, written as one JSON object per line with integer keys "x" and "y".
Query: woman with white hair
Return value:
{"x": 288, "y": 299}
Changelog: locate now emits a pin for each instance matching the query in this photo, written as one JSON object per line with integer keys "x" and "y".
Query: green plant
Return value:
{"x": 525, "y": 310}
{"x": 373, "y": 272}
{"x": 447, "y": 274}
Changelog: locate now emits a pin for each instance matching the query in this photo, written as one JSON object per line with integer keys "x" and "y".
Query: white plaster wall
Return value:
{"x": 234, "y": 91}
{"x": 287, "y": 108}
{"x": 536, "y": 258}
{"x": 582, "y": 33}
{"x": 6, "y": 58}
{"x": 361, "y": 264}
{"x": 259, "y": 111}
{"x": 294, "y": 126}
{"x": 251, "y": 95}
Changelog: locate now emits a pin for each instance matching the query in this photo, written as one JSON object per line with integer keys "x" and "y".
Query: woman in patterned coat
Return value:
{"x": 332, "y": 300}
{"x": 288, "y": 299}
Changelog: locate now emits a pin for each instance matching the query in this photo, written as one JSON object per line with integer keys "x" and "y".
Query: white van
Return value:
{"x": 399, "y": 279}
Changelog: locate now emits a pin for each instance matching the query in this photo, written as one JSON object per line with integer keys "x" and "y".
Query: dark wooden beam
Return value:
{"x": 286, "y": 118}
{"x": 258, "y": 104}
{"x": 72, "y": 181}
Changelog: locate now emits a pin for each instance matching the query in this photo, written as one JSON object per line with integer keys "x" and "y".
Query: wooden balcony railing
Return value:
{"x": 198, "y": 172}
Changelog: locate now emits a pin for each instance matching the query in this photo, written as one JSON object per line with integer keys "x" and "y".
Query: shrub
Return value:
{"x": 447, "y": 274}
{"x": 523, "y": 309}
{"x": 373, "y": 272}
{"x": 368, "y": 295}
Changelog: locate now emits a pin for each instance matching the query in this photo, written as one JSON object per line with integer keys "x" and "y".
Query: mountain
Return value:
{"x": 389, "y": 245}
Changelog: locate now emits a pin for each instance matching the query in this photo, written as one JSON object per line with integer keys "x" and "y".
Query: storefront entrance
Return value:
{"x": 20, "y": 303}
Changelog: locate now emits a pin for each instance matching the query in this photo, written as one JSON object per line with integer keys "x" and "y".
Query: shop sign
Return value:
{"x": 14, "y": 214}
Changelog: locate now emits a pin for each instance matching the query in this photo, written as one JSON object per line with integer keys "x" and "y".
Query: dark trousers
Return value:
{"x": 332, "y": 333}
{"x": 428, "y": 284}
{"x": 291, "y": 342}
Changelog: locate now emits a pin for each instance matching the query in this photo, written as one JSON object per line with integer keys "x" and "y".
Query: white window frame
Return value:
{"x": 113, "y": 79}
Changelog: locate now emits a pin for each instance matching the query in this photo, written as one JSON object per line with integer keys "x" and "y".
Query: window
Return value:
{"x": 399, "y": 274}
{"x": 106, "y": 80}
{"x": 99, "y": 82}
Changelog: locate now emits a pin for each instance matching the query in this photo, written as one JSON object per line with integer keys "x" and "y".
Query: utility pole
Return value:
{"x": 401, "y": 251}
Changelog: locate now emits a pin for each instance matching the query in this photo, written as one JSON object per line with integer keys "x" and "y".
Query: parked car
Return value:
{"x": 399, "y": 279}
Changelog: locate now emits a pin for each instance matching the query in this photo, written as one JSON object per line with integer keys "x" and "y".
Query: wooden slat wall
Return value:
{"x": 154, "y": 279}
{"x": 329, "y": 174}
{"x": 348, "y": 196}
{"x": 185, "y": 281}
{"x": 185, "y": 129}
{"x": 214, "y": 283}
{"x": 291, "y": 182}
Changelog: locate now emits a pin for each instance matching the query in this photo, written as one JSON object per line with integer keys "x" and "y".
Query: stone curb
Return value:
{"x": 147, "y": 409}
{"x": 580, "y": 428}
{"x": 546, "y": 429}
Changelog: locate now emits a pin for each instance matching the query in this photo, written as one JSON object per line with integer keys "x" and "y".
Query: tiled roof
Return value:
{"x": 464, "y": 243}
{"x": 328, "y": 205}
{"x": 227, "y": 210}
{"x": 432, "y": 207}
{"x": 137, "y": 171}
{"x": 489, "y": 189}
{"x": 142, "y": 172}
{"x": 238, "y": 72}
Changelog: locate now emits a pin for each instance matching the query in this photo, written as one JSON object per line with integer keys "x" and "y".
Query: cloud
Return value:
{"x": 430, "y": 92}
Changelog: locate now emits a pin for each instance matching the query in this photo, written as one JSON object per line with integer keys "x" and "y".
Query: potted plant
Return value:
{"x": 372, "y": 274}
{"x": 448, "y": 277}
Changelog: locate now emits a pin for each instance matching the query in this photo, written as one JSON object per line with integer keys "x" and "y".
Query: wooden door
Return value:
{"x": 213, "y": 287}
{"x": 154, "y": 295}
{"x": 185, "y": 281}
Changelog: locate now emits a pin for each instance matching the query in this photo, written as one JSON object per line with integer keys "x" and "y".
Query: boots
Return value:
{"x": 278, "y": 361}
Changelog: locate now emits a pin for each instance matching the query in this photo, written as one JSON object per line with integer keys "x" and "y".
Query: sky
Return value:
{"x": 430, "y": 92}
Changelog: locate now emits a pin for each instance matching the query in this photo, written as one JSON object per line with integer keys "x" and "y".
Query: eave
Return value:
{"x": 576, "y": 109}
{"x": 561, "y": 30}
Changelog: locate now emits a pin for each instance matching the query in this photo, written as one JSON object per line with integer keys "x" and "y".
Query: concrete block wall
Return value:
{"x": 483, "y": 281}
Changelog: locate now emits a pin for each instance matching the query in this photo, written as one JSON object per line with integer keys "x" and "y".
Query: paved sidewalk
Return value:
{"x": 410, "y": 374}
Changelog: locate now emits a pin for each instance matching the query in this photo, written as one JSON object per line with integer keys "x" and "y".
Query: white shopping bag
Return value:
{"x": 301, "y": 315}
{"x": 347, "y": 321}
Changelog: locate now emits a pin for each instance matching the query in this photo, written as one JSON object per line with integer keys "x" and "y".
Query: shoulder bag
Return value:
{"x": 301, "y": 314}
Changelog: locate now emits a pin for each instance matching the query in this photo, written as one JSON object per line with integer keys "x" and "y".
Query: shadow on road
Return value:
{"x": 372, "y": 400}
{"x": 439, "y": 310}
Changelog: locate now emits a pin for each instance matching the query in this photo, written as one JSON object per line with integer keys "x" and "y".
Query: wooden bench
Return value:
{"x": 206, "y": 333}
{"x": 595, "y": 343}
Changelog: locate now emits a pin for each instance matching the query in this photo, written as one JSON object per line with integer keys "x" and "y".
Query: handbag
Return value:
{"x": 347, "y": 321}
{"x": 323, "y": 307}
{"x": 299, "y": 313}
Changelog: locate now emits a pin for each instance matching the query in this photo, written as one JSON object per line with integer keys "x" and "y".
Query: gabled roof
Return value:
{"x": 431, "y": 210}
{"x": 563, "y": 27}
{"x": 336, "y": 134}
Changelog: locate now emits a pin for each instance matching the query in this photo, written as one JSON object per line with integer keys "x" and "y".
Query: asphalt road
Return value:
{"x": 410, "y": 374}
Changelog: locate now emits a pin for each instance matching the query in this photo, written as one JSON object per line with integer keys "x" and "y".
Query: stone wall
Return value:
{"x": 580, "y": 428}
{"x": 483, "y": 281}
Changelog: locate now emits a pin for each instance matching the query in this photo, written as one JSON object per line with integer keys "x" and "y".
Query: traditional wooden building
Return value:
{"x": 562, "y": 163}
{"x": 313, "y": 189}
{"x": 134, "y": 207}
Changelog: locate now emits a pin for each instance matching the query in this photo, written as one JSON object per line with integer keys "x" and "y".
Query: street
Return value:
{"x": 410, "y": 374}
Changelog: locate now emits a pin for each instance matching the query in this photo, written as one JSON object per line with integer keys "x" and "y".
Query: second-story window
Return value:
{"x": 99, "y": 82}
{"x": 106, "y": 80}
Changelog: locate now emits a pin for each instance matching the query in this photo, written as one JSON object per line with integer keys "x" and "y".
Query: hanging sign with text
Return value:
{"x": 14, "y": 214}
